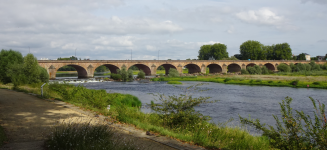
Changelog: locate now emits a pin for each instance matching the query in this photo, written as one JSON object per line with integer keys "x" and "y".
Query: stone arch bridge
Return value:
{"x": 86, "y": 68}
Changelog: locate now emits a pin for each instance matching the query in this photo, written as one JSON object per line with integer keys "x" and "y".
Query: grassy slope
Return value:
{"x": 268, "y": 80}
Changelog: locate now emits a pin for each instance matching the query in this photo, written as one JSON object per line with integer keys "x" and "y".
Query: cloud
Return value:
{"x": 315, "y": 1}
{"x": 231, "y": 30}
{"x": 265, "y": 16}
{"x": 322, "y": 41}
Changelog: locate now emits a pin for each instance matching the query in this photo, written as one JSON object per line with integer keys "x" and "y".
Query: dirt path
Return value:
{"x": 26, "y": 120}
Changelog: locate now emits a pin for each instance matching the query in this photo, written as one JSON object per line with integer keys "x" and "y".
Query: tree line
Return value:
{"x": 250, "y": 50}
{"x": 16, "y": 69}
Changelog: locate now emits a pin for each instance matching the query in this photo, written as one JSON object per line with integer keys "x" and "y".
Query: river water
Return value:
{"x": 257, "y": 101}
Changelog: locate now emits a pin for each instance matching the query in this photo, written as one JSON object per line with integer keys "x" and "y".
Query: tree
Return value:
{"x": 230, "y": 58}
{"x": 252, "y": 50}
{"x": 284, "y": 68}
{"x": 282, "y": 51}
{"x": 301, "y": 56}
{"x": 218, "y": 51}
{"x": 270, "y": 53}
{"x": 7, "y": 58}
{"x": 101, "y": 69}
{"x": 204, "y": 52}
{"x": 126, "y": 75}
{"x": 141, "y": 74}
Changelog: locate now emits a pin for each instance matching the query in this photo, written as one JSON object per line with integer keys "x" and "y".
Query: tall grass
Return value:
{"x": 86, "y": 136}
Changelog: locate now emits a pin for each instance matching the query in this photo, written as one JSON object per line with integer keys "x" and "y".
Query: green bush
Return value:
{"x": 316, "y": 83}
{"x": 115, "y": 76}
{"x": 254, "y": 70}
{"x": 173, "y": 73}
{"x": 178, "y": 111}
{"x": 290, "y": 134}
{"x": 141, "y": 74}
{"x": 265, "y": 70}
{"x": 295, "y": 82}
{"x": 244, "y": 71}
{"x": 86, "y": 136}
{"x": 283, "y": 68}
{"x": 227, "y": 79}
{"x": 7, "y": 58}
{"x": 126, "y": 75}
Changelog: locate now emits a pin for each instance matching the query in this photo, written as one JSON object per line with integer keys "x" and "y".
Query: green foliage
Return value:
{"x": 126, "y": 75}
{"x": 254, "y": 70}
{"x": 70, "y": 58}
{"x": 7, "y": 58}
{"x": 86, "y": 136}
{"x": 98, "y": 99}
{"x": 295, "y": 82}
{"x": 178, "y": 111}
{"x": 161, "y": 68}
{"x": 283, "y": 68}
{"x": 282, "y": 51}
{"x": 174, "y": 82}
{"x": 173, "y": 73}
{"x": 252, "y": 50}
{"x": 67, "y": 68}
{"x": 26, "y": 72}
{"x": 301, "y": 57}
{"x": 217, "y": 51}
{"x": 264, "y": 70}
{"x": 227, "y": 79}
{"x": 244, "y": 71}
{"x": 230, "y": 58}
{"x": 115, "y": 76}
{"x": 290, "y": 133}
{"x": 134, "y": 68}
{"x": 141, "y": 74}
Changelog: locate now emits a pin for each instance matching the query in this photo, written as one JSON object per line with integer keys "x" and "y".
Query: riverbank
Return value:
{"x": 266, "y": 80}
{"x": 206, "y": 134}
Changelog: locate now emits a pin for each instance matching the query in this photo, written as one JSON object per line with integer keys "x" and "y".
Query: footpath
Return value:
{"x": 27, "y": 120}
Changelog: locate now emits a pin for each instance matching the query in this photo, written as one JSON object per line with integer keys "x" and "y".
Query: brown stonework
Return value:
{"x": 86, "y": 68}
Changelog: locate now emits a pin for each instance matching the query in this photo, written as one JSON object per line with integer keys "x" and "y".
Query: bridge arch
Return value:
{"x": 112, "y": 68}
{"x": 167, "y": 67}
{"x": 270, "y": 66}
{"x": 215, "y": 68}
{"x": 81, "y": 71}
{"x": 250, "y": 65}
{"x": 234, "y": 68}
{"x": 144, "y": 68}
{"x": 193, "y": 68}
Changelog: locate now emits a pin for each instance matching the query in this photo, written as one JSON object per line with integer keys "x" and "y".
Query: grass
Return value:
{"x": 174, "y": 82}
{"x": 303, "y": 73}
{"x": 209, "y": 135}
{"x": 3, "y": 137}
{"x": 265, "y": 80}
{"x": 85, "y": 136}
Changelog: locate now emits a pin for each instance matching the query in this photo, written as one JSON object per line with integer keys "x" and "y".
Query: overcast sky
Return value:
{"x": 111, "y": 29}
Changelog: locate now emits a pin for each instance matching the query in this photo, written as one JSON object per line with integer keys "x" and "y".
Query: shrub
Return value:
{"x": 283, "y": 68}
{"x": 270, "y": 81}
{"x": 258, "y": 80}
{"x": 86, "y": 136}
{"x": 289, "y": 133}
{"x": 227, "y": 79}
{"x": 115, "y": 76}
{"x": 244, "y": 71}
{"x": 178, "y": 111}
{"x": 141, "y": 74}
{"x": 316, "y": 83}
{"x": 7, "y": 58}
{"x": 251, "y": 70}
{"x": 265, "y": 70}
{"x": 126, "y": 75}
{"x": 173, "y": 72}
{"x": 295, "y": 82}
{"x": 307, "y": 67}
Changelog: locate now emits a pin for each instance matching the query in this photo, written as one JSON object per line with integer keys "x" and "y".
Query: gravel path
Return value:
{"x": 27, "y": 119}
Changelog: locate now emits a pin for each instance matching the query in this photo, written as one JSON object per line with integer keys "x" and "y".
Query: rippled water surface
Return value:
{"x": 258, "y": 101}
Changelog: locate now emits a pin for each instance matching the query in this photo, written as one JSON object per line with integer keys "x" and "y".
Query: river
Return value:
{"x": 257, "y": 101}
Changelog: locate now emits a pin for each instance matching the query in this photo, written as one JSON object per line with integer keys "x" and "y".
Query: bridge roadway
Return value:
{"x": 86, "y": 68}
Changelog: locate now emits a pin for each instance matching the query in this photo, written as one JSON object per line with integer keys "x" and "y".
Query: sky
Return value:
{"x": 158, "y": 29}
